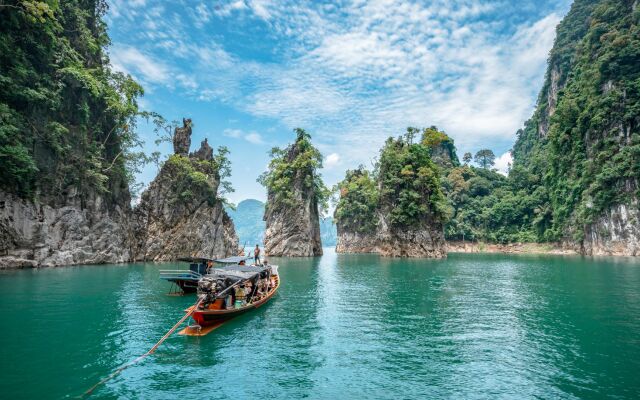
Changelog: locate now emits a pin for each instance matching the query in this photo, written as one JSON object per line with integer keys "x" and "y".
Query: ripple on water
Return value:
{"x": 342, "y": 326}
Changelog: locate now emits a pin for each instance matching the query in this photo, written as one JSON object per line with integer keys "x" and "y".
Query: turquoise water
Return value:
{"x": 342, "y": 326}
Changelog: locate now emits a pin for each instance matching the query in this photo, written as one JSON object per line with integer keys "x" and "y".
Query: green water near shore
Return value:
{"x": 342, "y": 326}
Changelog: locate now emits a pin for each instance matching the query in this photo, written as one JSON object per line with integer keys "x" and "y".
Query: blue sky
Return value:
{"x": 351, "y": 73}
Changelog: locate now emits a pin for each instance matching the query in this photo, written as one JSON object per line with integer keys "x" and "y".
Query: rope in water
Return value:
{"x": 148, "y": 353}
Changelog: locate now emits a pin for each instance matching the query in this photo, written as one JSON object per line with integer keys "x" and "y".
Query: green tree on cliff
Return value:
{"x": 358, "y": 201}
{"x": 443, "y": 150}
{"x": 466, "y": 158}
{"x": 409, "y": 183}
{"x": 66, "y": 119}
{"x": 485, "y": 158}
{"x": 584, "y": 157}
{"x": 295, "y": 164}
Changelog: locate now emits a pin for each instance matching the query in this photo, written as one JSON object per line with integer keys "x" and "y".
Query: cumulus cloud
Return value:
{"x": 132, "y": 61}
{"x": 504, "y": 163}
{"x": 251, "y": 137}
{"x": 254, "y": 137}
{"x": 359, "y": 71}
{"x": 331, "y": 160}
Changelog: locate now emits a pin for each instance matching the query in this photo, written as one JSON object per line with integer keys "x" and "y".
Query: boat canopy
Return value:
{"x": 228, "y": 260}
{"x": 232, "y": 260}
{"x": 195, "y": 259}
{"x": 238, "y": 271}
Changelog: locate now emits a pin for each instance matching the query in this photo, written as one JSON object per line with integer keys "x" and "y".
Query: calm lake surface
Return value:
{"x": 342, "y": 326}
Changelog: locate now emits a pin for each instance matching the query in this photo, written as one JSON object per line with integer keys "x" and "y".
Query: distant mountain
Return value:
{"x": 247, "y": 218}
{"x": 328, "y": 232}
{"x": 250, "y": 227}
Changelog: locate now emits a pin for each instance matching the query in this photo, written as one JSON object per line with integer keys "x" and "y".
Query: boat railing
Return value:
{"x": 179, "y": 274}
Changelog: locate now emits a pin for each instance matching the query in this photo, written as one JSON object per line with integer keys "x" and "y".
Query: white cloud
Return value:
{"x": 357, "y": 72}
{"x": 331, "y": 160}
{"x": 254, "y": 137}
{"x": 260, "y": 8}
{"x": 251, "y": 137}
{"x": 226, "y": 9}
{"x": 132, "y": 61}
{"x": 504, "y": 163}
{"x": 234, "y": 133}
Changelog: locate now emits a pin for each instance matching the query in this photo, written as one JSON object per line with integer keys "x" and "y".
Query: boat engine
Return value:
{"x": 207, "y": 289}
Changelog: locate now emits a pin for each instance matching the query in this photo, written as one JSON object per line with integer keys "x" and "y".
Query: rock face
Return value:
{"x": 205, "y": 152}
{"x": 179, "y": 215}
{"x": 356, "y": 242}
{"x": 182, "y": 138}
{"x": 293, "y": 231}
{"x": 616, "y": 232}
{"x": 292, "y": 224}
{"x": 82, "y": 231}
{"x": 425, "y": 240}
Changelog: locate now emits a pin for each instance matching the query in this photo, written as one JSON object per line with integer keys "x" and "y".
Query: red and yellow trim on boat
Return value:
{"x": 214, "y": 316}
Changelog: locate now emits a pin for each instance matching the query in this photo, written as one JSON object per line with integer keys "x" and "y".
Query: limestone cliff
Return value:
{"x": 67, "y": 143}
{"x": 65, "y": 137}
{"x": 293, "y": 231}
{"x": 424, "y": 239}
{"x": 356, "y": 242}
{"x": 616, "y": 232}
{"x": 581, "y": 148}
{"x": 399, "y": 210}
{"x": 356, "y": 214}
{"x": 294, "y": 189}
{"x": 410, "y": 207}
{"x": 180, "y": 215}
{"x": 81, "y": 231}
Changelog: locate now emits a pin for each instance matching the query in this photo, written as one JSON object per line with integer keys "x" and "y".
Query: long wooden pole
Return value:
{"x": 148, "y": 353}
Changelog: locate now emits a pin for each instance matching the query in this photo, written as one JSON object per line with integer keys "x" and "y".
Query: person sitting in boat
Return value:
{"x": 242, "y": 262}
{"x": 240, "y": 293}
{"x": 262, "y": 287}
{"x": 256, "y": 255}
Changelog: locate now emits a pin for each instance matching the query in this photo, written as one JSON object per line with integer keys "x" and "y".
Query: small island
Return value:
{"x": 295, "y": 192}
{"x": 398, "y": 210}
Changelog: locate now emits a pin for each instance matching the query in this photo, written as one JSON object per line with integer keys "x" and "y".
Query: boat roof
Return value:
{"x": 232, "y": 259}
{"x": 227, "y": 260}
{"x": 238, "y": 271}
{"x": 195, "y": 259}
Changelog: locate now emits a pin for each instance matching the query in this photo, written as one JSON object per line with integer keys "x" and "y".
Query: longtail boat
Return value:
{"x": 229, "y": 291}
{"x": 186, "y": 280}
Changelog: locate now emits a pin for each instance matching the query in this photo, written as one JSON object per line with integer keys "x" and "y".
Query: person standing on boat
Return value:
{"x": 256, "y": 255}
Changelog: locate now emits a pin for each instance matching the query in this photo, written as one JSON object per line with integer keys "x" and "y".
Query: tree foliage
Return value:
{"x": 443, "y": 149}
{"x": 488, "y": 206}
{"x": 405, "y": 186}
{"x": 409, "y": 182}
{"x": 358, "y": 201}
{"x": 588, "y": 152}
{"x": 485, "y": 158}
{"x": 196, "y": 179}
{"x": 66, "y": 120}
{"x": 293, "y": 171}
{"x": 466, "y": 158}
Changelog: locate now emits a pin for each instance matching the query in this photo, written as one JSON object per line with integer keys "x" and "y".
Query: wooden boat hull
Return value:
{"x": 210, "y": 317}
